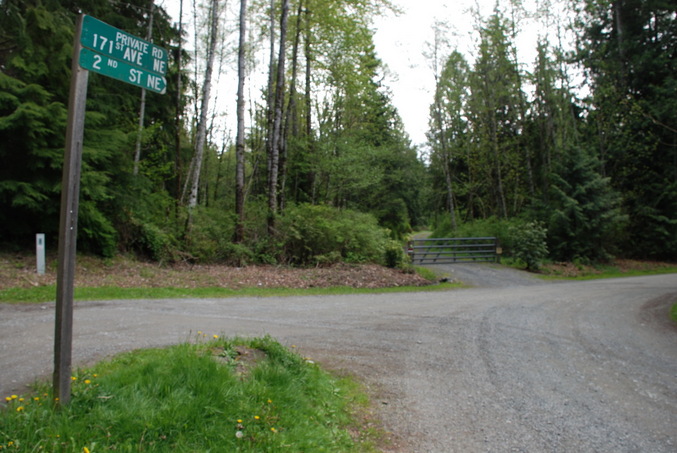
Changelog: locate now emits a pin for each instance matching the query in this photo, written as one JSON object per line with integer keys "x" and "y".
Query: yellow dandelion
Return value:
{"x": 14, "y": 397}
{"x": 8, "y": 398}
{"x": 270, "y": 401}
{"x": 273, "y": 430}
{"x": 21, "y": 400}
{"x": 73, "y": 378}
{"x": 85, "y": 450}
{"x": 20, "y": 408}
{"x": 36, "y": 398}
{"x": 87, "y": 381}
{"x": 239, "y": 421}
{"x": 199, "y": 332}
{"x": 216, "y": 336}
{"x": 95, "y": 375}
{"x": 256, "y": 417}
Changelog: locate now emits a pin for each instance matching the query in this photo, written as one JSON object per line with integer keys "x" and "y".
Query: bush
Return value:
{"x": 96, "y": 234}
{"x": 528, "y": 244}
{"x": 394, "y": 255}
{"x": 156, "y": 244}
{"x": 314, "y": 235}
{"x": 210, "y": 238}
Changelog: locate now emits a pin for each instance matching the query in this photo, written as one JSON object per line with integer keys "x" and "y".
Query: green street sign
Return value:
{"x": 112, "y": 42}
{"x": 122, "y": 71}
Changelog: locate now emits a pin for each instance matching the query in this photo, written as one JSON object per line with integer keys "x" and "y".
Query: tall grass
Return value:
{"x": 194, "y": 397}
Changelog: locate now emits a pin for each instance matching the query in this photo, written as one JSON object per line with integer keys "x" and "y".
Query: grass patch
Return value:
{"x": 673, "y": 313}
{"x": 47, "y": 293}
{"x": 615, "y": 269}
{"x": 426, "y": 273}
{"x": 222, "y": 395}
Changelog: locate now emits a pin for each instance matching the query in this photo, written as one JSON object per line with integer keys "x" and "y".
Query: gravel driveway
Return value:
{"x": 534, "y": 367}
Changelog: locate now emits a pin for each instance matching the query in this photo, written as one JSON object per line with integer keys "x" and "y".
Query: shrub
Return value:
{"x": 155, "y": 243}
{"x": 96, "y": 234}
{"x": 528, "y": 244}
{"x": 313, "y": 235}
{"x": 210, "y": 237}
{"x": 394, "y": 255}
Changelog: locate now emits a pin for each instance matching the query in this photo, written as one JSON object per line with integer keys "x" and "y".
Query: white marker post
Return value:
{"x": 40, "y": 253}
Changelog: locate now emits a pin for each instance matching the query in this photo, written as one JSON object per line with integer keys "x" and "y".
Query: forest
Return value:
{"x": 573, "y": 156}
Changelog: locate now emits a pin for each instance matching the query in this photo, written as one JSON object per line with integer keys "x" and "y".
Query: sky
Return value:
{"x": 401, "y": 42}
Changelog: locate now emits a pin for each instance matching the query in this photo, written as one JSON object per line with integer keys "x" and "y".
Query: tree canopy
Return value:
{"x": 594, "y": 165}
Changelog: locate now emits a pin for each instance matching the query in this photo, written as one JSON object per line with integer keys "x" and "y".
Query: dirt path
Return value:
{"x": 486, "y": 275}
{"x": 573, "y": 366}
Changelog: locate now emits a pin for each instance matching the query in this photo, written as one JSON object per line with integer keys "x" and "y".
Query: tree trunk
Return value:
{"x": 290, "y": 121}
{"x": 270, "y": 95}
{"x": 177, "y": 120}
{"x": 239, "y": 141}
{"x": 308, "y": 100}
{"x": 277, "y": 122}
{"x": 204, "y": 108}
{"x": 445, "y": 152}
{"x": 142, "y": 109}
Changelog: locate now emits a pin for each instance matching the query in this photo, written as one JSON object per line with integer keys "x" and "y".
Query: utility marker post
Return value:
{"x": 40, "y": 253}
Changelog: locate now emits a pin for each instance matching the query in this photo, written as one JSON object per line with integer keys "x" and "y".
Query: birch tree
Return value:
{"x": 277, "y": 122}
{"x": 196, "y": 164}
{"x": 240, "y": 139}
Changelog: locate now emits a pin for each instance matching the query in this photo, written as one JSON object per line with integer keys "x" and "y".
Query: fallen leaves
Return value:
{"x": 19, "y": 271}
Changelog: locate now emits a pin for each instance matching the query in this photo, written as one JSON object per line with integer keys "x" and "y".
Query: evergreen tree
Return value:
{"x": 495, "y": 116}
{"x": 35, "y": 60}
{"x": 629, "y": 49}
{"x": 448, "y": 134}
{"x": 582, "y": 213}
{"x": 35, "y": 68}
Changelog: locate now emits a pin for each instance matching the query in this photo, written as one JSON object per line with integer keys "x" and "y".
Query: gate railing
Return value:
{"x": 453, "y": 250}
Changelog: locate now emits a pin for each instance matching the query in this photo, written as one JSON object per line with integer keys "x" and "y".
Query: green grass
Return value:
{"x": 194, "y": 397}
{"x": 47, "y": 293}
{"x": 673, "y": 313}
{"x": 602, "y": 272}
{"x": 594, "y": 272}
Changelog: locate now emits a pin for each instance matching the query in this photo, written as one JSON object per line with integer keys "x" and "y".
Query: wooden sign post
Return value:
{"x": 114, "y": 53}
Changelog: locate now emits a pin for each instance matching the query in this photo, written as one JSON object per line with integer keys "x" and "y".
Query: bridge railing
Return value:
{"x": 453, "y": 250}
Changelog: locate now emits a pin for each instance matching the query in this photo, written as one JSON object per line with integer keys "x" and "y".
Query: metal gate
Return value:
{"x": 453, "y": 250}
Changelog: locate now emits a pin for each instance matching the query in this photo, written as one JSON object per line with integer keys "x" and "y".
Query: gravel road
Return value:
{"x": 527, "y": 367}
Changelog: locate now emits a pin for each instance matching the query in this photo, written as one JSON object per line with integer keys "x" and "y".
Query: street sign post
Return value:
{"x": 104, "y": 49}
